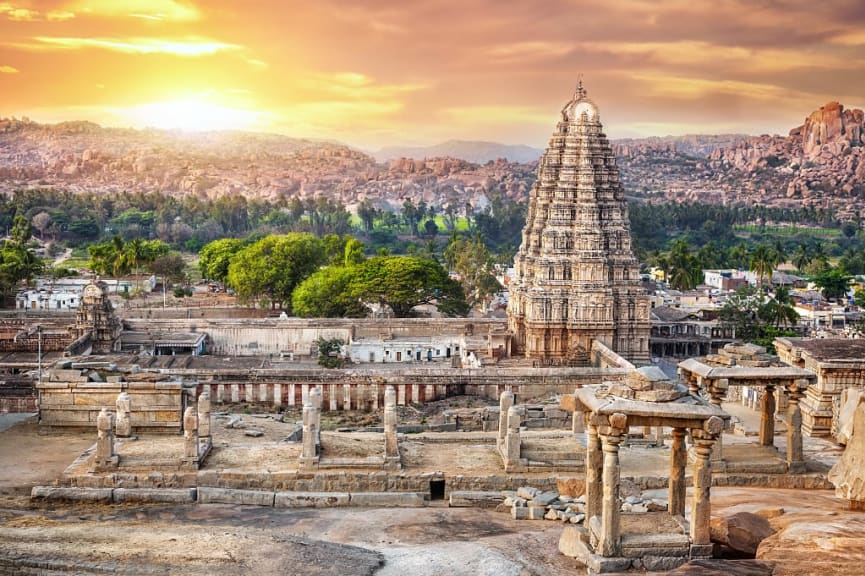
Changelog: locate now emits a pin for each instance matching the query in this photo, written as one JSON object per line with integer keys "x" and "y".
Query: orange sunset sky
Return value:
{"x": 381, "y": 72}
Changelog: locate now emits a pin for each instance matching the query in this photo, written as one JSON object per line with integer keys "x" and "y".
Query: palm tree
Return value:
{"x": 779, "y": 311}
{"x": 801, "y": 257}
{"x": 763, "y": 260}
{"x": 780, "y": 252}
{"x": 739, "y": 255}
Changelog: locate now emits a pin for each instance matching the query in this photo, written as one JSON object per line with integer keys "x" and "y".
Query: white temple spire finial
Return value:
{"x": 581, "y": 92}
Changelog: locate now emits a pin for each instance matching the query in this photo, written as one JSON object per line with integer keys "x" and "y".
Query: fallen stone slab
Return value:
{"x": 254, "y": 433}
{"x": 77, "y": 494}
{"x": 475, "y": 499}
{"x": 208, "y": 495}
{"x": 527, "y": 492}
{"x": 528, "y": 513}
{"x": 311, "y": 499}
{"x": 388, "y": 499}
{"x": 545, "y": 498}
{"x": 171, "y": 495}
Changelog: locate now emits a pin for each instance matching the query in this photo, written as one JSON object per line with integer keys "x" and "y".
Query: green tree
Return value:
{"x": 834, "y": 282}
{"x": 274, "y": 266}
{"x": 472, "y": 261}
{"x": 763, "y": 261}
{"x": 17, "y": 262}
{"x": 353, "y": 252}
{"x": 327, "y": 294}
{"x": 801, "y": 257}
{"x": 778, "y": 311}
{"x": 742, "y": 311}
{"x": 216, "y": 256}
{"x": 329, "y": 350}
{"x": 403, "y": 282}
{"x": 684, "y": 268}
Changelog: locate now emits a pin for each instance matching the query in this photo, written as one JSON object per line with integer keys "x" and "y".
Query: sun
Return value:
{"x": 192, "y": 115}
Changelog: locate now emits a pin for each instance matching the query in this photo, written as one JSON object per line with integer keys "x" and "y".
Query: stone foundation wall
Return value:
{"x": 18, "y": 395}
{"x": 156, "y": 406}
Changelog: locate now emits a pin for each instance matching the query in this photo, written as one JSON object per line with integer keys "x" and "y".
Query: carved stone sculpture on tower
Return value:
{"x": 576, "y": 278}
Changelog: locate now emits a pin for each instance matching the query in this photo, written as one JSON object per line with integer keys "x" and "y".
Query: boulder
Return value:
{"x": 850, "y": 400}
{"x": 848, "y": 474}
{"x": 740, "y": 533}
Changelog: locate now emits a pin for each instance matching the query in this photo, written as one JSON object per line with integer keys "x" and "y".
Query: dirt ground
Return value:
{"x": 817, "y": 535}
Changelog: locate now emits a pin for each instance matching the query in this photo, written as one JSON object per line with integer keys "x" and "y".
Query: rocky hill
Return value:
{"x": 820, "y": 163}
{"x": 81, "y": 156}
{"x": 471, "y": 151}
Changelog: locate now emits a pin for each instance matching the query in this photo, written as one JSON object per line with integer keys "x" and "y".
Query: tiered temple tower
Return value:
{"x": 576, "y": 278}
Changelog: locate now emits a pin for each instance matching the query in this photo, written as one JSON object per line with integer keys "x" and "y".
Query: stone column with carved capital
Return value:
{"x": 511, "y": 446}
{"x": 204, "y": 415}
{"x": 123, "y": 420}
{"x": 190, "y": 433}
{"x": 391, "y": 445}
{"x": 594, "y": 470}
{"x": 678, "y": 461}
{"x": 767, "y": 417}
{"x": 506, "y": 400}
{"x": 701, "y": 506}
{"x": 795, "y": 457}
{"x": 611, "y": 506}
{"x": 104, "y": 438}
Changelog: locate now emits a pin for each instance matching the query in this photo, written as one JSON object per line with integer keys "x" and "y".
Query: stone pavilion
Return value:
{"x": 576, "y": 278}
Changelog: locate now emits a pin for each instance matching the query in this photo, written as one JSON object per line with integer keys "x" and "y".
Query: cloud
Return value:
{"x": 531, "y": 50}
{"x": 152, "y": 9}
{"x": 193, "y": 46}
{"x": 8, "y": 70}
{"x": 19, "y": 14}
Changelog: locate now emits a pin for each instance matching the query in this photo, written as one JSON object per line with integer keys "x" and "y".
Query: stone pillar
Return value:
{"x": 795, "y": 458}
{"x": 594, "y": 464}
{"x": 659, "y": 436}
{"x": 316, "y": 399}
{"x": 678, "y": 460}
{"x": 701, "y": 507}
{"x": 511, "y": 446}
{"x": 391, "y": 446}
{"x": 123, "y": 423}
{"x": 578, "y": 422}
{"x": 611, "y": 507}
{"x": 309, "y": 448}
{"x": 105, "y": 456}
{"x": 767, "y": 417}
{"x": 204, "y": 415}
{"x": 717, "y": 393}
{"x": 190, "y": 433}
{"x": 506, "y": 400}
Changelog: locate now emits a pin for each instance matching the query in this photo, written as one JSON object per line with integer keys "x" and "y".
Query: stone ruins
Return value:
{"x": 577, "y": 279}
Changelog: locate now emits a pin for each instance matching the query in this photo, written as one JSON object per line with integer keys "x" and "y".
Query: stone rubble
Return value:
{"x": 529, "y": 503}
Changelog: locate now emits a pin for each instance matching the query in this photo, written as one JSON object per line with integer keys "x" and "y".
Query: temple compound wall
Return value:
{"x": 839, "y": 364}
{"x": 296, "y": 337}
{"x": 576, "y": 277}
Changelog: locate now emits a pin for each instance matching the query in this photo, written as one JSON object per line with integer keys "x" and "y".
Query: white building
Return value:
{"x": 405, "y": 350}
{"x": 46, "y": 299}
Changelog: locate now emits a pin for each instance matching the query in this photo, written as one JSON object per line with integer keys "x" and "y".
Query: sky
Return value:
{"x": 374, "y": 73}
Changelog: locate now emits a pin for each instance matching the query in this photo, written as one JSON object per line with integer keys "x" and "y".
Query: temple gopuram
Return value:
{"x": 576, "y": 278}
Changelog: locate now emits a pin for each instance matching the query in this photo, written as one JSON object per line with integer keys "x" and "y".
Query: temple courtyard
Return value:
{"x": 816, "y": 533}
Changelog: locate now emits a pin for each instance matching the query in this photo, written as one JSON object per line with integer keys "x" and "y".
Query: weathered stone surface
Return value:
{"x": 207, "y": 495}
{"x": 474, "y": 498}
{"x": 848, "y": 474}
{"x": 311, "y": 499}
{"x": 78, "y": 494}
{"x": 544, "y": 499}
{"x": 573, "y": 487}
{"x": 173, "y": 495}
{"x": 850, "y": 400}
{"x": 741, "y": 532}
{"x": 572, "y": 542}
{"x": 527, "y": 492}
{"x": 388, "y": 499}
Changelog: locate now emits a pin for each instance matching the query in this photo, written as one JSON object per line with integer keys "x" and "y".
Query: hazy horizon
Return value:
{"x": 382, "y": 73}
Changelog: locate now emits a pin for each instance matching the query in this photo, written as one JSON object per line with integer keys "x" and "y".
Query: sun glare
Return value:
{"x": 192, "y": 115}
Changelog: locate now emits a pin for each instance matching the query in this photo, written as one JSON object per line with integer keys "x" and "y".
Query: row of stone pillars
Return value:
{"x": 795, "y": 391}
{"x": 196, "y": 431}
{"x": 311, "y": 444}
{"x": 603, "y": 504}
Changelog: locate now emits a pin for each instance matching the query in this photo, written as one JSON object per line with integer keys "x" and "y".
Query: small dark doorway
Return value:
{"x": 437, "y": 489}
